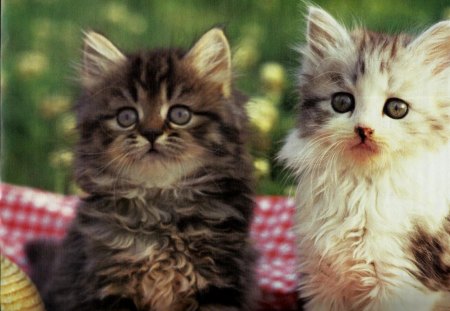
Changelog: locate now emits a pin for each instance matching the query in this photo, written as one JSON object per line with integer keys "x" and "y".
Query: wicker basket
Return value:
{"x": 17, "y": 292}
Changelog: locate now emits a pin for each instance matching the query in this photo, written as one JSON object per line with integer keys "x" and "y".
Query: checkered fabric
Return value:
{"x": 29, "y": 214}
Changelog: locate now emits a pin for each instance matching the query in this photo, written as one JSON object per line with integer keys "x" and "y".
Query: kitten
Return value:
{"x": 371, "y": 153}
{"x": 163, "y": 160}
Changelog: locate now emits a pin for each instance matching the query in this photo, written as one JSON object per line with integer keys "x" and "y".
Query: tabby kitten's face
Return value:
{"x": 370, "y": 99}
{"x": 152, "y": 118}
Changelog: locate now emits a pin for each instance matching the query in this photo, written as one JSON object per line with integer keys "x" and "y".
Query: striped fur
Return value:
{"x": 166, "y": 229}
{"x": 373, "y": 210}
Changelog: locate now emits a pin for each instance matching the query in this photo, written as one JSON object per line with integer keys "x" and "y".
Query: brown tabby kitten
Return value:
{"x": 162, "y": 157}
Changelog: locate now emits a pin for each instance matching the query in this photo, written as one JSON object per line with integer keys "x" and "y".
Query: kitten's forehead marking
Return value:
{"x": 164, "y": 101}
{"x": 377, "y": 52}
{"x": 374, "y": 74}
{"x": 145, "y": 107}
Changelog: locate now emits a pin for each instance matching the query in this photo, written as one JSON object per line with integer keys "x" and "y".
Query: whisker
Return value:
{"x": 118, "y": 158}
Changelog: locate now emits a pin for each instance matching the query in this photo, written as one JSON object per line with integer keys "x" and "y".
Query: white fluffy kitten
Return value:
{"x": 371, "y": 153}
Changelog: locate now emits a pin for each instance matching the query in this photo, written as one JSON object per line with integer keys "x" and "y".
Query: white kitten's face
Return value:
{"x": 371, "y": 98}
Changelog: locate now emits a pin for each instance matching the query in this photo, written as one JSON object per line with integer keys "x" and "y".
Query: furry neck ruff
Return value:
{"x": 361, "y": 234}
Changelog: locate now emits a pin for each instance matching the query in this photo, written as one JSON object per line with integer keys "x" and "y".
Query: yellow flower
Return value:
{"x": 262, "y": 167}
{"x": 67, "y": 125}
{"x": 263, "y": 114}
{"x": 246, "y": 55}
{"x": 61, "y": 158}
{"x": 273, "y": 77}
{"x": 54, "y": 105}
{"x": 32, "y": 63}
{"x": 118, "y": 13}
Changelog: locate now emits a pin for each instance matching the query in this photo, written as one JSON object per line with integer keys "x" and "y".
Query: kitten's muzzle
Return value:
{"x": 152, "y": 135}
{"x": 364, "y": 132}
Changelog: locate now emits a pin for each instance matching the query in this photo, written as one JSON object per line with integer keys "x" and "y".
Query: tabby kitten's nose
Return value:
{"x": 152, "y": 135}
{"x": 363, "y": 132}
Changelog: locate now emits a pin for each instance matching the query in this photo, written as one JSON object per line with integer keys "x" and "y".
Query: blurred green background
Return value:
{"x": 41, "y": 43}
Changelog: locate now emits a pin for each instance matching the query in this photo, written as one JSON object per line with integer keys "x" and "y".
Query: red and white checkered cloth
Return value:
{"x": 29, "y": 214}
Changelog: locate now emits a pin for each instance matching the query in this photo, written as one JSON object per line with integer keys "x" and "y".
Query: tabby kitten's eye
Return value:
{"x": 179, "y": 115}
{"x": 127, "y": 117}
{"x": 396, "y": 108}
{"x": 343, "y": 102}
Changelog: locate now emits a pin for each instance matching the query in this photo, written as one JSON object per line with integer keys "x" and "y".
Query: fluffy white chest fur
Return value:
{"x": 355, "y": 228}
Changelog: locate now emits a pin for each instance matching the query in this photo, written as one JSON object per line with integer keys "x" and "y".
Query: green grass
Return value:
{"x": 41, "y": 42}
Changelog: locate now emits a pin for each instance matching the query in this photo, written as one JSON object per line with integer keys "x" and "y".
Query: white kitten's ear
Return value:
{"x": 99, "y": 57}
{"x": 433, "y": 46}
{"x": 211, "y": 58}
{"x": 324, "y": 33}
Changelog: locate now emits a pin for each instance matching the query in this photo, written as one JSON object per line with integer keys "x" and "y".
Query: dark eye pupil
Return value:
{"x": 127, "y": 117}
{"x": 343, "y": 102}
{"x": 180, "y": 115}
{"x": 396, "y": 108}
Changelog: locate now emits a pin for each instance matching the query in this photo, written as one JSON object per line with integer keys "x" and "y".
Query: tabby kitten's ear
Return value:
{"x": 433, "y": 46}
{"x": 211, "y": 58}
{"x": 100, "y": 56}
{"x": 324, "y": 34}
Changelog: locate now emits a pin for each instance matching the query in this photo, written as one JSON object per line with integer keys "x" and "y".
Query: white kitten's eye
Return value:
{"x": 126, "y": 117}
{"x": 396, "y": 108}
{"x": 343, "y": 102}
{"x": 180, "y": 115}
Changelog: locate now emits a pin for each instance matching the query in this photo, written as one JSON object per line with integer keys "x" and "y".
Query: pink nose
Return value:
{"x": 363, "y": 132}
